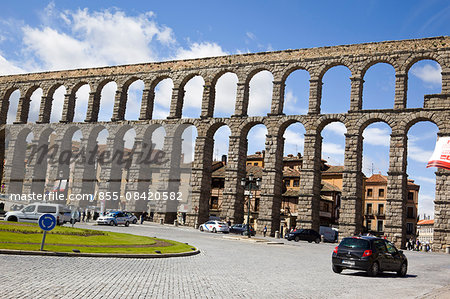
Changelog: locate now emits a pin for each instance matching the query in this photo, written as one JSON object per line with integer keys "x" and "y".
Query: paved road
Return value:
{"x": 226, "y": 268}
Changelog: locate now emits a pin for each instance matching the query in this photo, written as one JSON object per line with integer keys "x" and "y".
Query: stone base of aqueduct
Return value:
{"x": 20, "y": 178}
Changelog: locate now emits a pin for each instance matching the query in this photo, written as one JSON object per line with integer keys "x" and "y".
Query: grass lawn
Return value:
{"x": 28, "y": 236}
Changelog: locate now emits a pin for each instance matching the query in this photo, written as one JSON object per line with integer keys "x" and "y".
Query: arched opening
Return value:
{"x": 192, "y": 100}
{"x": 331, "y": 166}
{"x": 163, "y": 97}
{"x": 424, "y": 77}
{"x": 296, "y": 93}
{"x": 21, "y": 149}
{"x": 379, "y": 87}
{"x": 107, "y": 98}
{"x": 375, "y": 166}
{"x": 260, "y": 94}
{"x": 81, "y": 103}
{"x": 57, "y": 104}
{"x": 13, "y": 105}
{"x": 134, "y": 100}
{"x": 39, "y": 158}
{"x": 35, "y": 104}
{"x": 225, "y": 94}
{"x": 294, "y": 137}
{"x": 336, "y": 90}
{"x": 188, "y": 144}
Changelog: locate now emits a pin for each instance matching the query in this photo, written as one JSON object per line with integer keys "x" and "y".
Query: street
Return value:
{"x": 225, "y": 268}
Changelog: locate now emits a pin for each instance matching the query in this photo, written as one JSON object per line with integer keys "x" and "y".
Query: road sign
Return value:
{"x": 47, "y": 222}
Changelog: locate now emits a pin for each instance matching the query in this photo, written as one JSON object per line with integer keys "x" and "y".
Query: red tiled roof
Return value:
{"x": 426, "y": 222}
{"x": 334, "y": 169}
{"x": 377, "y": 178}
{"x": 290, "y": 172}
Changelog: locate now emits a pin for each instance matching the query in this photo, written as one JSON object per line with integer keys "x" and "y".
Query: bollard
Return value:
{"x": 196, "y": 224}
{"x": 447, "y": 250}
{"x": 175, "y": 223}
{"x": 277, "y": 234}
{"x": 161, "y": 220}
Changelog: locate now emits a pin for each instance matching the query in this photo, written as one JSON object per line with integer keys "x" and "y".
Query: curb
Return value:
{"x": 102, "y": 255}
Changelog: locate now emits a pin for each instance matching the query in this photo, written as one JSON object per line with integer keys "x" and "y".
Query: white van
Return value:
{"x": 328, "y": 234}
{"x": 32, "y": 212}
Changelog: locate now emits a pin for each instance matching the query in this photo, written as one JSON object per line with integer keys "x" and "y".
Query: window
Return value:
{"x": 410, "y": 195}
{"x": 29, "y": 209}
{"x": 369, "y": 209}
{"x": 381, "y": 209}
{"x": 381, "y": 193}
{"x": 379, "y": 245}
{"x": 287, "y": 183}
{"x": 46, "y": 209}
{"x": 380, "y": 225}
{"x": 296, "y": 183}
{"x": 214, "y": 203}
{"x": 410, "y": 212}
{"x": 256, "y": 163}
{"x": 369, "y": 225}
{"x": 256, "y": 204}
{"x": 390, "y": 248}
{"x": 369, "y": 193}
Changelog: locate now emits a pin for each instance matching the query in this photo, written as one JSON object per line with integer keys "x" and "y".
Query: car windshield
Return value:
{"x": 355, "y": 243}
{"x": 111, "y": 215}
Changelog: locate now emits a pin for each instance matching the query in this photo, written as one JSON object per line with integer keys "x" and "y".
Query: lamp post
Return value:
{"x": 251, "y": 181}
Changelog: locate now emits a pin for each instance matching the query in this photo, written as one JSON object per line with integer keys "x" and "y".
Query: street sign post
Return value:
{"x": 46, "y": 222}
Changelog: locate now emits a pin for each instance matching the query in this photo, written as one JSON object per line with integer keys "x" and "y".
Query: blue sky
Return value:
{"x": 75, "y": 34}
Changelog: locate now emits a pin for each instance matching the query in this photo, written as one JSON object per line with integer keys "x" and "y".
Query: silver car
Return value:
{"x": 114, "y": 218}
{"x": 215, "y": 226}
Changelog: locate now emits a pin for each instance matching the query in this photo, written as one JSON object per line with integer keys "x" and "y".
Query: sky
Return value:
{"x": 58, "y": 35}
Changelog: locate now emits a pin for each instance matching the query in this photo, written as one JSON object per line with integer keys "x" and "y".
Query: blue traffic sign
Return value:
{"x": 47, "y": 222}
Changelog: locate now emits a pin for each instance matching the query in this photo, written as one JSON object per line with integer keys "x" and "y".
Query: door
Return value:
{"x": 383, "y": 257}
{"x": 29, "y": 214}
{"x": 396, "y": 260}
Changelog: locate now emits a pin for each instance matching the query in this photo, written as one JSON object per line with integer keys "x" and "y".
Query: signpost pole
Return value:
{"x": 43, "y": 240}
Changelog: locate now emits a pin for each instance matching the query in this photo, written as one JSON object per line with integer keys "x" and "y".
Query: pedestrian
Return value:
{"x": 88, "y": 216}
{"x": 229, "y": 223}
{"x": 84, "y": 216}
{"x": 143, "y": 215}
{"x": 265, "y": 230}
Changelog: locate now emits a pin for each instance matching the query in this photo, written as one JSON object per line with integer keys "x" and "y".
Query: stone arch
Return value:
{"x": 17, "y": 165}
{"x": 248, "y": 90}
{"x": 39, "y": 162}
{"x": 410, "y": 120}
{"x": 325, "y": 120}
{"x": 367, "y": 98}
{"x": 214, "y": 91}
{"x": 283, "y": 94}
{"x": 352, "y": 68}
{"x": 371, "y": 118}
{"x": 70, "y": 104}
{"x": 321, "y": 71}
{"x": 404, "y": 68}
{"x": 380, "y": 59}
{"x": 5, "y": 103}
{"x": 194, "y": 102}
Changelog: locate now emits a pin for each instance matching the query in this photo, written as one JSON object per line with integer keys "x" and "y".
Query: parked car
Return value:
{"x": 328, "y": 234}
{"x": 309, "y": 235}
{"x": 133, "y": 219}
{"x": 241, "y": 229}
{"x": 215, "y": 226}
{"x": 114, "y": 218}
{"x": 370, "y": 254}
{"x": 32, "y": 212}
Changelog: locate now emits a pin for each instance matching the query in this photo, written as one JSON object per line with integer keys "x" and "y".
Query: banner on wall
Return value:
{"x": 441, "y": 154}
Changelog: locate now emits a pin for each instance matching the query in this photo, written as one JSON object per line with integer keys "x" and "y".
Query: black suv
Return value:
{"x": 241, "y": 229}
{"x": 304, "y": 234}
{"x": 370, "y": 254}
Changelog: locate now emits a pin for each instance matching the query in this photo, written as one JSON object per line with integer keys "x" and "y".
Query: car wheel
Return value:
{"x": 201, "y": 228}
{"x": 127, "y": 223}
{"x": 309, "y": 241}
{"x": 403, "y": 270}
{"x": 374, "y": 269}
{"x": 111, "y": 223}
{"x": 12, "y": 219}
{"x": 297, "y": 238}
{"x": 337, "y": 269}
{"x": 214, "y": 230}
{"x": 134, "y": 221}
{"x": 317, "y": 240}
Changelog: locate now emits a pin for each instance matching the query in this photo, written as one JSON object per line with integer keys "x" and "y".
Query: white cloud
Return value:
{"x": 426, "y": 204}
{"x": 336, "y": 128}
{"x": 199, "y": 50}
{"x": 377, "y": 136}
{"x": 428, "y": 73}
{"x": 226, "y": 90}
{"x": 417, "y": 153}
{"x": 8, "y": 68}
{"x": 332, "y": 148}
{"x": 425, "y": 179}
{"x": 260, "y": 98}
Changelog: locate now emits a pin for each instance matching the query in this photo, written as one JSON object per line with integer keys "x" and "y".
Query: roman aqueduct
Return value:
{"x": 316, "y": 61}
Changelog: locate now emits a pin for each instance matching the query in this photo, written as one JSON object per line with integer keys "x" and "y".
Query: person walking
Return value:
{"x": 265, "y": 230}
{"x": 143, "y": 215}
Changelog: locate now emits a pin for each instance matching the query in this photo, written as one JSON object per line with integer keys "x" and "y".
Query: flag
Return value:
{"x": 441, "y": 154}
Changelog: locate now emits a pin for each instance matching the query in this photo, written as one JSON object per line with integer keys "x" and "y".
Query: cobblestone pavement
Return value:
{"x": 226, "y": 268}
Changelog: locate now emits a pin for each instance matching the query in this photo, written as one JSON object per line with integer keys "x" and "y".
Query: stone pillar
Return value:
{"x": 120, "y": 103}
{"x": 315, "y": 95}
{"x": 36, "y": 168}
{"x": 148, "y": 101}
{"x": 271, "y": 187}
{"x": 45, "y": 109}
{"x": 84, "y": 173}
{"x": 233, "y": 193}
{"x": 401, "y": 90}
{"x": 356, "y": 93}
{"x": 350, "y": 211}
{"x": 445, "y": 81}
{"x": 395, "y": 225}
{"x": 208, "y": 100}
{"x": 277, "y": 98}
{"x": 201, "y": 180}
{"x": 93, "y": 107}
{"x": 135, "y": 203}
{"x": 23, "y": 109}
{"x": 441, "y": 233}
{"x": 68, "y": 109}
{"x": 310, "y": 183}
{"x": 176, "y": 106}
{"x": 242, "y": 94}
{"x": 14, "y": 170}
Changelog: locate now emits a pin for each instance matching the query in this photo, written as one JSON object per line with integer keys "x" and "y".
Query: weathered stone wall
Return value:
{"x": 358, "y": 58}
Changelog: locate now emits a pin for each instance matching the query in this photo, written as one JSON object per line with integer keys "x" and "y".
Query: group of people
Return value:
{"x": 417, "y": 245}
